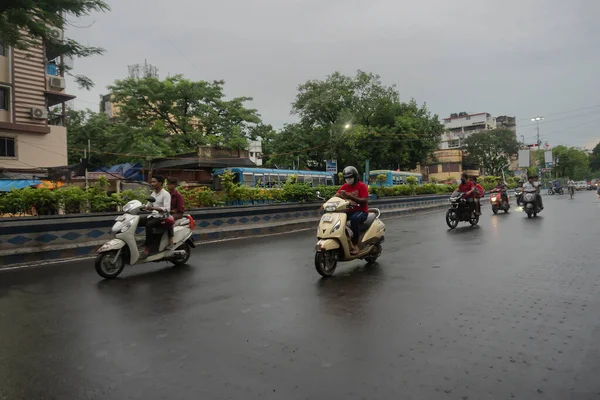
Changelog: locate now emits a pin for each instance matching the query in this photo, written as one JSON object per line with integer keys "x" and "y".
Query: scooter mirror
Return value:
{"x": 318, "y": 194}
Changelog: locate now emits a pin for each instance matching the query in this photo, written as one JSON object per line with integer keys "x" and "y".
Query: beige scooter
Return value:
{"x": 334, "y": 234}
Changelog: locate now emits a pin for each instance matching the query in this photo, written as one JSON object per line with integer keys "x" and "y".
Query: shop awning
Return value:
{"x": 8, "y": 184}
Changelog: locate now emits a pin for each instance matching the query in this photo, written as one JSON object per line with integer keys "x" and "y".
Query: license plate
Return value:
{"x": 327, "y": 218}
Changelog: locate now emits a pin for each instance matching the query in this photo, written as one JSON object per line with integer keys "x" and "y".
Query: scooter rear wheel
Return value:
{"x": 326, "y": 262}
{"x": 371, "y": 258}
{"x": 181, "y": 260}
{"x": 106, "y": 265}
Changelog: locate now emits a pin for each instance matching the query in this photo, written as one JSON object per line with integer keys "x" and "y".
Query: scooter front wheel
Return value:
{"x": 108, "y": 266}
{"x": 326, "y": 262}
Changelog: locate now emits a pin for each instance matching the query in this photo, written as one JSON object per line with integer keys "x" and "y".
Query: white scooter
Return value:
{"x": 123, "y": 249}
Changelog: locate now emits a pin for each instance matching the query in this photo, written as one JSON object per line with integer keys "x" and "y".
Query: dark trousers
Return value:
{"x": 356, "y": 218}
{"x": 539, "y": 200}
{"x": 152, "y": 239}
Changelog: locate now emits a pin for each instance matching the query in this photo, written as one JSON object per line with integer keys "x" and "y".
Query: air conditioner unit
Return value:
{"x": 57, "y": 82}
{"x": 39, "y": 113}
{"x": 57, "y": 35}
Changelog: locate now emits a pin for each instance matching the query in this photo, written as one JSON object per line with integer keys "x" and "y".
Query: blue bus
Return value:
{"x": 269, "y": 178}
{"x": 393, "y": 177}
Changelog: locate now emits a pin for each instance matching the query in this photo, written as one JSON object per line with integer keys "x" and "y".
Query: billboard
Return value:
{"x": 331, "y": 166}
{"x": 524, "y": 158}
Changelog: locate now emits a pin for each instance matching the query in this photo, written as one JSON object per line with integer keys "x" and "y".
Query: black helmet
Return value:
{"x": 350, "y": 172}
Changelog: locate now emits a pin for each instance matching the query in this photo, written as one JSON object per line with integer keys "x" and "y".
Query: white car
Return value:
{"x": 581, "y": 185}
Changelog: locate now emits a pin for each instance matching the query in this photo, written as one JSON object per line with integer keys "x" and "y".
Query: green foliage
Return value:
{"x": 382, "y": 128}
{"x": 37, "y": 18}
{"x": 412, "y": 181}
{"x": 490, "y": 150}
{"x": 572, "y": 162}
{"x": 186, "y": 114}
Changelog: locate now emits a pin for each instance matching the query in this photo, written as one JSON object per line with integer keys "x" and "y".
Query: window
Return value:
{"x": 3, "y": 50}
{"x": 453, "y": 144}
{"x": 3, "y": 98}
{"x": 450, "y": 167}
{"x": 7, "y": 147}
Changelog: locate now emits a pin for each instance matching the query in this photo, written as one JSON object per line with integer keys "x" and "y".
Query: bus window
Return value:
{"x": 248, "y": 179}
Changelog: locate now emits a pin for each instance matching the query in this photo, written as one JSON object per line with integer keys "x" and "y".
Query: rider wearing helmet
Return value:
{"x": 358, "y": 194}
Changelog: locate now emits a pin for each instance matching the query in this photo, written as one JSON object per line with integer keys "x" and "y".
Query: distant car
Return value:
{"x": 581, "y": 185}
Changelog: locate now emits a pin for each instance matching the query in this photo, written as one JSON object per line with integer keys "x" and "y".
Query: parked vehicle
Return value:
{"x": 269, "y": 178}
{"x": 123, "y": 249}
{"x": 334, "y": 233}
{"x": 393, "y": 178}
{"x": 581, "y": 185}
{"x": 460, "y": 211}
{"x": 499, "y": 200}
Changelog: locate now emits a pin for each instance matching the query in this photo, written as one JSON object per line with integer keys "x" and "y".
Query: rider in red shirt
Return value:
{"x": 466, "y": 187}
{"x": 358, "y": 194}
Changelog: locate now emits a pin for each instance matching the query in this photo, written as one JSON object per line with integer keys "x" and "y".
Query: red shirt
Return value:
{"x": 466, "y": 187}
{"x": 176, "y": 202}
{"x": 359, "y": 190}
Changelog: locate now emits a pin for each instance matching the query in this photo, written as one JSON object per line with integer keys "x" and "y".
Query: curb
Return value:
{"x": 86, "y": 251}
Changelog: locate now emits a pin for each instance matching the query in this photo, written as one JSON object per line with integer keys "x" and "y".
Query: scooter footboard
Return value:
{"x": 327, "y": 244}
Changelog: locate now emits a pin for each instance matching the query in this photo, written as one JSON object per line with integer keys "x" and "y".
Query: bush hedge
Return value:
{"x": 73, "y": 200}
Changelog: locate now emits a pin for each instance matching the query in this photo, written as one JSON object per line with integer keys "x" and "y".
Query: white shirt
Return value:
{"x": 570, "y": 183}
{"x": 163, "y": 201}
{"x": 529, "y": 186}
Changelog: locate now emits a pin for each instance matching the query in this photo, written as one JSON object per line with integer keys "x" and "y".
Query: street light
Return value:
{"x": 347, "y": 126}
{"x": 537, "y": 120}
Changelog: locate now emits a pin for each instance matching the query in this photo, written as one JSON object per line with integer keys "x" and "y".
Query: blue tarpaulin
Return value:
{"x": 7, "y": 184}
{"x": 131, "y": 172}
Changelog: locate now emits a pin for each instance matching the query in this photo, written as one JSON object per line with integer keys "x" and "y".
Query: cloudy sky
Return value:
{"x": 506, "y": 57}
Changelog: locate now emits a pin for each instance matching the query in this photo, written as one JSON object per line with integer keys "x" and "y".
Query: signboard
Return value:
{"x": 548, "y": 157}
{"x": 524, "y": 158}
{"x": 548, "y": 165}
{"x": 331, "y": 166}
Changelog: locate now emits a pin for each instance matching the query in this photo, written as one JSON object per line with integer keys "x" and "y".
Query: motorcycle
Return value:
{"x": 553, "y": 191}
{"x": 530, "y": 204}
{"x": 499, "y": 200}
{"x": 334, "y": 233}
{"x": 518, "y": 193}
{"x": 460, "y": 211}
{"x": 123, "y": 249}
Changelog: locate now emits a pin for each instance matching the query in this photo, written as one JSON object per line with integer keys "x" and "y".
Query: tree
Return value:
{"x": 595, "y": 159}
{"x": 37, "y": 18}
{"x": 491, "y": 150}
{"x": 353, "y": 119}
{"x": 572, "y": 163}
{"x": 186, "y": 114}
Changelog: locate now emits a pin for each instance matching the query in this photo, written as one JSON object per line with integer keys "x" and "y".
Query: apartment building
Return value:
{"x": 459, "y": 126}
{"x": 33, "y": 131}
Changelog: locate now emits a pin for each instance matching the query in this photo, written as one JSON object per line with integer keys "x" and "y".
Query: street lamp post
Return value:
{"x": 537, "y": 120}
{"x": 333, "y": 144}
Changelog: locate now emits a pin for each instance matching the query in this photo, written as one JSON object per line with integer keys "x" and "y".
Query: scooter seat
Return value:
{"x": 368, "y": 222}
{"x": 182, "y": 221}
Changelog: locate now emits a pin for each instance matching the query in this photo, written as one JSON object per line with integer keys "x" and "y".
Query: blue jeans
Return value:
{"x": 356, "y": 218}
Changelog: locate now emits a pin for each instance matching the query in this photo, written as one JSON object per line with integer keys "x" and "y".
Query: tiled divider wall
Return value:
{"x": 26, "y": 240}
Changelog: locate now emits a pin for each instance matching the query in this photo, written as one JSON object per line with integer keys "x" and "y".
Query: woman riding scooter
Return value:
{"x": 357, "y": 192}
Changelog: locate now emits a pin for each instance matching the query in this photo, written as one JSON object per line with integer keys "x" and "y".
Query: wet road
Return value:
{"x": 505, "y": 310}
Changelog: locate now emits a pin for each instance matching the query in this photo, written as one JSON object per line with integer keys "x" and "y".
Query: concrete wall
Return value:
{"x": 38, "y": 149}
{"x": 27, "y": 240}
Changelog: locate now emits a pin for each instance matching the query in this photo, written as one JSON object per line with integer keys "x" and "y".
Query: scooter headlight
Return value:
{"x": 336, "y": 226}
{"x": 330, "y": 207}
{"x": 494, "y": 198}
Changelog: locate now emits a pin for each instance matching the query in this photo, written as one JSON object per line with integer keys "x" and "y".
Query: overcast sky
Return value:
{"x": 506, "y": 57}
